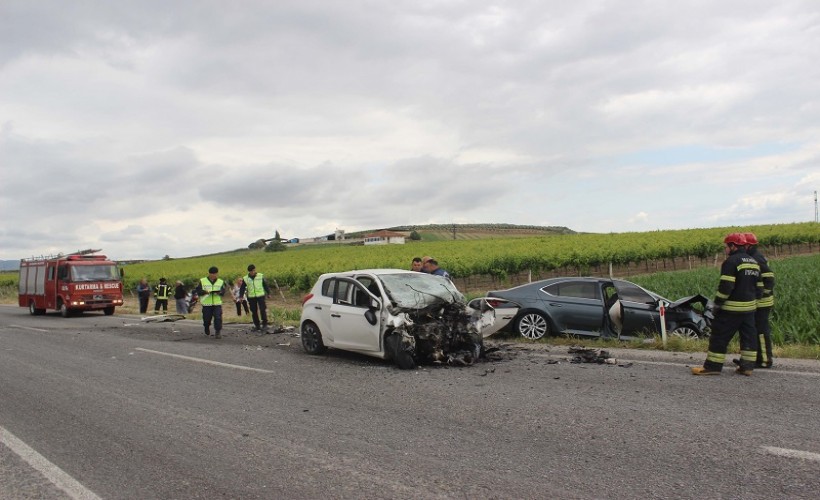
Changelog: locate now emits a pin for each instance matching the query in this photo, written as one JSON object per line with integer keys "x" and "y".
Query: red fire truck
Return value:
{"x": 70, "y": 283}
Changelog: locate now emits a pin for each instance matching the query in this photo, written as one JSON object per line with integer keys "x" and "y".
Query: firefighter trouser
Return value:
{"x": 258, "y": 309}
{"x": 212, "y": 312}
{"x": 163, "y": 303}
{"x": 724, "y": 327}
{"x": 764, "y": 336}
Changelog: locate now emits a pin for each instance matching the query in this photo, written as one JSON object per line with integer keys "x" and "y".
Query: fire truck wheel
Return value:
{"x": 34, "y": 311}
{"x": 108, "y": 311}
{"x": 64, "y": 312}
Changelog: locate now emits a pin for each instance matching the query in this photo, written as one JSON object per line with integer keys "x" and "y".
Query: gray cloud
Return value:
{"x": 143, "y": 125}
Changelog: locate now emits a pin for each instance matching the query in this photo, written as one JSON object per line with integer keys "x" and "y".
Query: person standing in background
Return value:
{"x": 210, "y": 290}
{"x": 161, "y": 294}
{"x": 255, "y": 289}
{"x": 180, "y": 295}
{"x": 143, "y": 293}
{"x": 735, "y": 305}
{"x": 764, "y": 305}
{"x": 239, "y": 298}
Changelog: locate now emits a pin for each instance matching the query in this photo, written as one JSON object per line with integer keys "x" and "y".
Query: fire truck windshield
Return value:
{"x": 94, "y": 273}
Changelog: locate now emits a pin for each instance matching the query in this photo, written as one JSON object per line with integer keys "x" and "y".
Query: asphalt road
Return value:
{"x": 112, "y": 407}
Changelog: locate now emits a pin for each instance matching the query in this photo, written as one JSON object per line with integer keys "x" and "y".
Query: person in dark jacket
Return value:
{"x": 735, "y": 305}
{"x": 210, "y": 290}
{"x": 256, "y": 289}
{"x": 764, "y": 305}
{"x": 161, "y": 294}
{"x": 180, "y": 298}
{"x": 143, "y": 293}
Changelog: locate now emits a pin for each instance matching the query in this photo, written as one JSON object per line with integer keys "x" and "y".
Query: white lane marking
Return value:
{"x": 788, "y": 453}
{"x": 726, "y": 370}
{"x": 29, "y": 328}
{"x": 206, "y": 361}
{"x": 51, "y": 472}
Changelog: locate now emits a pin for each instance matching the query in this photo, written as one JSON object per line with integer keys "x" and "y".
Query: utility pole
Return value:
{"x": 815, "y": 206}
{"x": 454, "y": 231}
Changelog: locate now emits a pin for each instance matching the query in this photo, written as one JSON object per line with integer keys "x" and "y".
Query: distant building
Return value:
{"x": 384, "y": 237}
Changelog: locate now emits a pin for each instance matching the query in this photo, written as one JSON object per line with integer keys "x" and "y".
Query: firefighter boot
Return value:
{"x": 218, "y": 334}
{"x": 744, "y": 371}
{"x": 700, "y": 370}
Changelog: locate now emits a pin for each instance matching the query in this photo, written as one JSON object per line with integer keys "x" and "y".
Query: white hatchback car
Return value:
{"x": 400, "y": 315}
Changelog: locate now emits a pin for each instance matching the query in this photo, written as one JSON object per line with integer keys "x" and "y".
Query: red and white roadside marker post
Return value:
{"x": 663, "y": 322}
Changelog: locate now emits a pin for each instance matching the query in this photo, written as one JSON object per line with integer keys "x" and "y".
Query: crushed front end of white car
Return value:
{"x": 408, "y": 317}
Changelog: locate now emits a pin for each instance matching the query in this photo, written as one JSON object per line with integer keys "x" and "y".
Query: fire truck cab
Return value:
{"x": 70, "y": 283}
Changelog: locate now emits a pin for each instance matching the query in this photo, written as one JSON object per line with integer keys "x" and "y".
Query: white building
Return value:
{"x": 384, "y": 237}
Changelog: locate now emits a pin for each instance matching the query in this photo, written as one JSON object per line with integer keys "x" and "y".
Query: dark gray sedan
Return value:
{"x": 601, "y": 307}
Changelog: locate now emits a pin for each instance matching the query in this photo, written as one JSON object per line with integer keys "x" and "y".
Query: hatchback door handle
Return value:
{"x": 335, "y": 315}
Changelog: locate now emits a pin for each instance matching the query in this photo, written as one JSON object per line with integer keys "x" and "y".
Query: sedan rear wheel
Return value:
{"x": 532, "y": 325}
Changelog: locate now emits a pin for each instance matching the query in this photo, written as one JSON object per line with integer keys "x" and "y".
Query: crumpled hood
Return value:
{"x": 408, "y": 292}
{"x": 688, "y": 301}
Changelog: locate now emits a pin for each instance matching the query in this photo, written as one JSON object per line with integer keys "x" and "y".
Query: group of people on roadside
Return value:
{"x": 162, "y": 293}
{"x": 248, "y": 293}
{"x": 428, "y": 265}
{"x": 743, "y": 303}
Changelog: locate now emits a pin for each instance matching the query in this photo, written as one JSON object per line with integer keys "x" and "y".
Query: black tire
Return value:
{"x": 532, "y": 325}
{"x": 312, "y": 338}
{"x": 686, "y": 331}
{"x": 34, "y": 311}
{"x": 109, "y": 311}
{"x": 403, "y": 358}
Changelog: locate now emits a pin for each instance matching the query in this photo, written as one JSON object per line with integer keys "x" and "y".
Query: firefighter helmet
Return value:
{"x": 736, "y": 239}
{"x": 751, "y": 239}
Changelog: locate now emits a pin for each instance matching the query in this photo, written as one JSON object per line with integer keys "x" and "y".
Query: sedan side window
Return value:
{"x": 632, "y": 293}
{"x": 577, "y": 289}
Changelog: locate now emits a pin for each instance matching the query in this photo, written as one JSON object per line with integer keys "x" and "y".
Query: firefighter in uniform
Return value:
{"x": 735, "y": 305}
{"x": 210, "y": 290}
{"x": 255, "y": 289}
{"x": 764, "y": 305}
{"x": 161, "y": 293}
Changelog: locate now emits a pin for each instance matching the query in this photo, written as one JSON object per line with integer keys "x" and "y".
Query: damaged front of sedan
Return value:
{"x": 409, "y": 317}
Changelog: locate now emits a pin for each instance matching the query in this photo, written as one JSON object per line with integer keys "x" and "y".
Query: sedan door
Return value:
{"x": 349, "y": 324}
{"x": 640, "y": 310}
{"x": 575, "y": 306}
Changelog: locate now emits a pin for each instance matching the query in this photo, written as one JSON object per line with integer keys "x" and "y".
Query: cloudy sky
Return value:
{"x": 151, "y": 128}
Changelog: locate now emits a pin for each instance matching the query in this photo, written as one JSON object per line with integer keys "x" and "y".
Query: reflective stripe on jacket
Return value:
{"x": 162, "y": 291}
{"x": 738, "y": 290}
{"x": 766, "y": 283}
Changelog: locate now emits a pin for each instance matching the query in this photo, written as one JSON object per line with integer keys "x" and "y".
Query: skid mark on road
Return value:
{"x": 788, "y": 453}
{"x": 56, "y": 475}
{"x": 205, "y": 361}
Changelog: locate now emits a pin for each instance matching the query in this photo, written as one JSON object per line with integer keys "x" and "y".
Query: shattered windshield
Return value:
{"x": 418, "y": 290}
{"x": 94, "y": 273}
